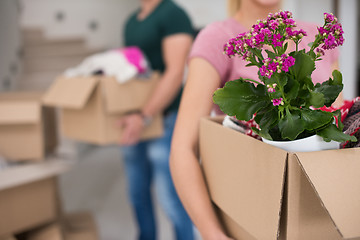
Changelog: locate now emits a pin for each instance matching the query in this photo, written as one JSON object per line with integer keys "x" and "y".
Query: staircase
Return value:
{"x": 45, "y": 59}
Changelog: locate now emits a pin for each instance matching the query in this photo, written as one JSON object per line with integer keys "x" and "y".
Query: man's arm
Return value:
{"x": 175, "y": 49}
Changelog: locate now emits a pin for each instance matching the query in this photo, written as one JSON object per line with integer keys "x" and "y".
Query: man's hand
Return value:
{"x": 132, "y": 126}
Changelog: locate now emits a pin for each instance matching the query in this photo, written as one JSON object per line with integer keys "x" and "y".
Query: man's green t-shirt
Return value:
{"x": 147, "y": 34}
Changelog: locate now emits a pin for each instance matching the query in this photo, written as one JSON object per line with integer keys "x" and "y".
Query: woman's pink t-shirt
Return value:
{"x": 210, "y": 42}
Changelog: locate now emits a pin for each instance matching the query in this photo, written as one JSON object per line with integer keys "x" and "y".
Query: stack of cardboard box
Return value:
{"x": 75, "y": 226}
{"x": 30, "y": 207}
{"x": 91, "y": 107}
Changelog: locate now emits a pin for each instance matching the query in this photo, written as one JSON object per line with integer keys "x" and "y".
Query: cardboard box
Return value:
{"x": 80, "y": 226}
{"x": 74, "y": 226}
{"x": 27, "y": 129}
{"x": 52, "y": 231}
{"x": 263, "y": 192}
{"x": 28, "y": 205}
{"x": 91, "y": 106}
{"x": 8, "y": 238}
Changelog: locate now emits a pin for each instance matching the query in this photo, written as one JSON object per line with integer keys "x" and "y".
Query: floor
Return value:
{"x": 96, "y": 183}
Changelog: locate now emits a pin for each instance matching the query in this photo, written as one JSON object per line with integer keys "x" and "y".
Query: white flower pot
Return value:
{"x": 309, "y": 144}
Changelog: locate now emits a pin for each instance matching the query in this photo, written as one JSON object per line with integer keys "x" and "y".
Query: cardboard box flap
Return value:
{"x": 19, "y": 112}
{"x": 21, "y": 96}
{"x": 70, "y": 92}
{"x": 249, "y": 191}
{"x": 128, "y": 96}
{"x": 335, "y": 177}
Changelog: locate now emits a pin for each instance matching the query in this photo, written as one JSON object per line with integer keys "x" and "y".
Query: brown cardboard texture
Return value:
{"x": 91, "y": 106}
{"x": 263, "y": 192}
{"x": 52, "y": 231}
{"x": 27, "y": 206}
{"x": 27, "y": 129}
{"x": 8, "y": 238}
{"x": 80, "y": 226}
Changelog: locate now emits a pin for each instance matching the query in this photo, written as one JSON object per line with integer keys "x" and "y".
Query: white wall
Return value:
{"x": 309, "y": 10}
{"x": 110, "y": 15}
{"x": 203, "y": 12}
{"x": 349, "y": 55}
{"x": 10, "y": 44}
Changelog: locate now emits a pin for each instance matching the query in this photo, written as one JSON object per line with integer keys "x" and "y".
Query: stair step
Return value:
{"x": 38, "y": 81}
{"x": 32, "y": 35}
{"x": 59, "y": 63}
{"x": 55, "y": 42}
{"x": 71, "y": 50}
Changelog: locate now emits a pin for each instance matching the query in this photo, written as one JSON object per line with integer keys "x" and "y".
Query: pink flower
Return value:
{"x": 277, "y": 101}
{"x": 319, "y": 52}
{"x": 273, "y": 24}
{"x": 329, "y": 42}
{"x": 287, "y": 62}
{"x": 276, "y": 40}
{"x": 271, "y": 88}
{"x": 332, "y": 33}
{"x": 322, "y": 30}
{"x": 289, "y": 22}
{"x": 329, "y": 18}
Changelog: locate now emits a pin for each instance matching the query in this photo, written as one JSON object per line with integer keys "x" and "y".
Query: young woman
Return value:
{"x": 163, "y": 31}
{"x": 209, "y": 69}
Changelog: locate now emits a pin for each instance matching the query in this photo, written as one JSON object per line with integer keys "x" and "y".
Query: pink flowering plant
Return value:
{"x": 284, "y": 103}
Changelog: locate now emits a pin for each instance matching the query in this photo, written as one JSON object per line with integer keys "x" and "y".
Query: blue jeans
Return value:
{"x": 146, "y": 162}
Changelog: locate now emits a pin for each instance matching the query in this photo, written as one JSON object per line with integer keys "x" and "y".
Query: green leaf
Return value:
{"x": 337, "y": 78}
{"x": 331, "y": 88}
{"x": 291, "y": 89}
{"x": 331, "y": 132}
{"x": 316, "y": 99}
{"x": 310, "y": 44}
{"x": 315, "y": 119}
{"x": 270, "y": 54}
{"x": 257, "y": 53}
{"x": 308, "y": 82}
{"x": 262, "y": 133}
{"x": 267, "y": 119}
{"x": 250, "y": 64}
{"x": 285, "y": 47}
{"x": 303, "y": 67}
{"x": 291, "y": 126}
{"x": 337, "y": 113}
{"x": 312, "y": 54}
{"x": 282, "y": 79}
{"x": 241, "y": 99}
{"x": 275, "y": 133}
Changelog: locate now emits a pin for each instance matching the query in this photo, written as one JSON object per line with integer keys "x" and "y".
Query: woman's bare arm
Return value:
{"x": 196, "y": 102}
